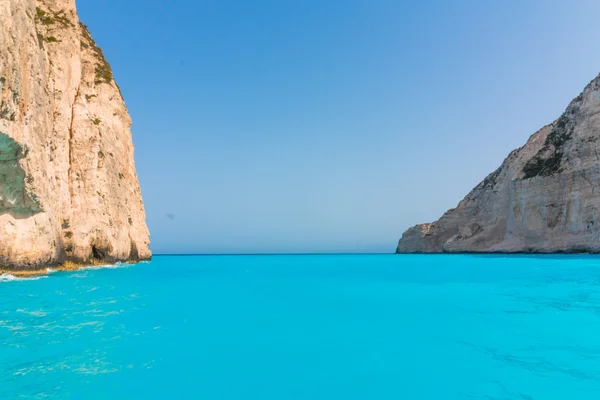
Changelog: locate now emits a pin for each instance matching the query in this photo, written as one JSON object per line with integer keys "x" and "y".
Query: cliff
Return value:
{"x": 68, "y": 185}
{"x": 544, "y": 198}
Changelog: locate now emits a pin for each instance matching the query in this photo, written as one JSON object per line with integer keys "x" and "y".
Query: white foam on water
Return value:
{"x": 12, "y": 278}
{"x": 35, "y": 313}
{"x": 107, "y": 266}
{"x": 83, "y": 275}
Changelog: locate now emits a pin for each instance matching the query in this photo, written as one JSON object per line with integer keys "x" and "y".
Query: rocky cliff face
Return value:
{"x": 68, "y": 185}
{"x": 544, "y": 198}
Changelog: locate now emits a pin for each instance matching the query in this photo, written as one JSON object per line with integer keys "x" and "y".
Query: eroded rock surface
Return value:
{"x": 544, "y": 198}
{"x": 68, "y": 185}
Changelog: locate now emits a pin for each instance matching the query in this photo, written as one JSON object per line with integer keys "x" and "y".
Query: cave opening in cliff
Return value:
{"x": 98, "y": 253}
{"x": 133, "y": 252}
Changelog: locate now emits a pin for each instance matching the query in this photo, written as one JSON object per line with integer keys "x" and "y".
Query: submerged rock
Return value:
{"x": 68, "y": 185}
{"x": 544, "y": 198}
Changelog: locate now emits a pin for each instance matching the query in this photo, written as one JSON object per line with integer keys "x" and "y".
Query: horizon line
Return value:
{"x": 268, "y": 254}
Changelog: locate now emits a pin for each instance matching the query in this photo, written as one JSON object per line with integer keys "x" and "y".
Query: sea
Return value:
{"x": 278, "y": 327}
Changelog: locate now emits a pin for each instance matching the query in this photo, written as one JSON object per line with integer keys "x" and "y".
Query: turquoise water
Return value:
{"x": 307, "y": 327}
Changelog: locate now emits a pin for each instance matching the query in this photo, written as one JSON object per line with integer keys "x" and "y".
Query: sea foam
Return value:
{"x": 12, "y": 278}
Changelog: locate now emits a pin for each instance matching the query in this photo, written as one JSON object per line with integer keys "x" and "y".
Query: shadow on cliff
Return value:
{"x": 15, "y": 199}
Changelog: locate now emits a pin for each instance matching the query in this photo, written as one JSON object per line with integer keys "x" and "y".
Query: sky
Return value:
{"x": 275, "y": 126}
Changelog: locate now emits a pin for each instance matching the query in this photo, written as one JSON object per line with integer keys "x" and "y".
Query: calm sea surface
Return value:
{"x": 306, "y": 327}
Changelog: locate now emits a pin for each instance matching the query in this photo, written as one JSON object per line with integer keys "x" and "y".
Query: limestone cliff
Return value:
{"x": 68, "y": 185}
{"x": 544, "y": 198}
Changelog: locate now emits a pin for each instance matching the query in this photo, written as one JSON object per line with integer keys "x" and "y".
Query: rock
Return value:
{"x": 544, "y": 198}
{"x": 68, "y": 185}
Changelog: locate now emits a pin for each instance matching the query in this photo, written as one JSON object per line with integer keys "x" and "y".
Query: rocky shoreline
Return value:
{"x": 24, "y": 271}
{"x": 28, "y": 271}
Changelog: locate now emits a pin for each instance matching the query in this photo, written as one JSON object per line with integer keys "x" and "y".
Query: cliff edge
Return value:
{"x": 544, "y": 198}
{"x": 68, "y": 185}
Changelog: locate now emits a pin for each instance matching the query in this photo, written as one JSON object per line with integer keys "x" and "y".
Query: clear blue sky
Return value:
{"x": 331, "y": 125}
